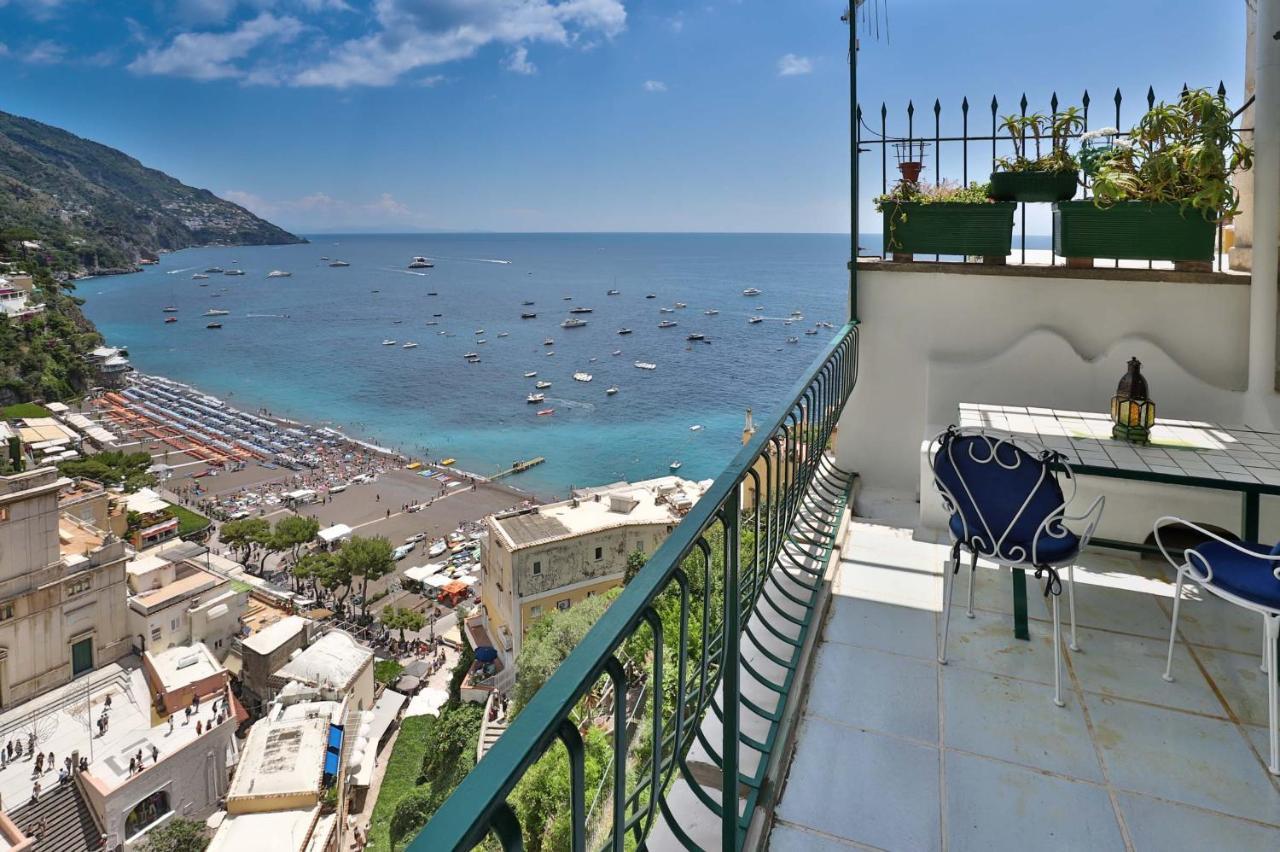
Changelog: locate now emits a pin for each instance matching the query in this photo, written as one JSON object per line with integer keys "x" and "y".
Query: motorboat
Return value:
{"x": 811, "y": 331}
{"x": 611, "y": 390}
{"x": 474, "y": 359}
{"x": 667, "y": 324}
{"x": 754, "y": 320}
{"x": 170, "y": 309}
{"x": 410, "y": 345}
{"x": 711, "y": 312}
{"x": 471, "y": 355}
{"x": 613, "y": 292}
{"x": 624, "y": 331}
{"x": 697, "y": 427}
{"x": 617, "y": 352}
{"x": 214, "y": 270}
{"x": 234, "y": 272}
{"x": 543, "y": 385}
{"x": 214, "y": 325}
{"x": 674, "y": 466}
{"x": 528, "y": 315}
{"x": 437, "y": 548}
{"x": 432, "y": 293}
{"x": 535, "y": 397}
{"x": 546, "y": 412}
{"x": 482, "y": 340}
{"x": 681, "y": 305}
{"x": 797, "y": 314}
{"x": 388, "y": 343}
{"x": 550, "y": 352}
{"x": 504, "y": 334}
{"x": 793, "y": 340}
{"x": 531, "y": 374}
{"x": 279, "y": 273}
{"x": 573, "y": 322}
{"x": 434, "y": 315}
{"x": 432, "y": 322}
{"x": 526, "y": 303}
{"x": 580, "y": 310}
{"x": 170, "y": 319}
{"x": 479, "y": 331}
{"x": 548, "y": 342}
{"x": 696, "y": 336}
{"x": 666, "y": 310}
{"x": 420, "y": 263}
{"x": 582, "y": 377}
{"x": 644, "y": 365}
{"x": 199, "y": 276}
{"x": 568, "y": 298}
{"x": 651, "y": 296}
{"x": 336, "y": 263}
{"x": 751, "y": 291}
{"x": 216, "y": 312}
{"x": 396, "y": 322}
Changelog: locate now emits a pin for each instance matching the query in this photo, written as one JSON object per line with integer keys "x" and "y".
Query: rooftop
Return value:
{"x": 33, "y": 430}
{"x": 183, "y": 665}
{"x": 77, "y": 538}
{"x": 275, "y": 634}
{"x": 146, "y": 501}
{"x": 281, "y": 831}
{"x": 654, "y": 501}
{"x": 335, "y": 659}
{"x": 178, "y": 590}
{"x": 284, "y": 753}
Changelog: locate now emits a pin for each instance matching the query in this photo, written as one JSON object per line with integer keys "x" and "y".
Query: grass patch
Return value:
{"x": 387, "y": 671}
{"x": 25, "y": 409}
{"x": 403, "y": 768}
{"x": 188, "y": 521}
{"x": 240, "y": 586}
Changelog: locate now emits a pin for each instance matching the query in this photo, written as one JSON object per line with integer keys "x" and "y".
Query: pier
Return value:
{"x": 518, "y": 467}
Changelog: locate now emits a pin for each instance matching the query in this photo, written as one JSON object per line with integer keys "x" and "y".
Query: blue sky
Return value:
{"x": 564, "y": 115}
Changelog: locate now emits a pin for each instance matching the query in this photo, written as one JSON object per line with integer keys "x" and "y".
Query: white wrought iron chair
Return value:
{"x": 1246, "y": 574}
{"x": 1007, "y": 505}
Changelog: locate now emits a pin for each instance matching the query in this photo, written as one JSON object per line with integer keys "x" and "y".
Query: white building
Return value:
{"x": 15, "y": 298}
{"x": 177, "y": 602}
{"x": 334, "y": 661}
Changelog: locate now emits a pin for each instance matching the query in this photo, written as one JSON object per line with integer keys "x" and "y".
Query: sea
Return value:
{"x": 310, "y": 347}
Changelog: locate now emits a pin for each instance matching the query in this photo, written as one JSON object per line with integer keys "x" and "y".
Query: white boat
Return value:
{"x": 667, "y": 324}
{"x": 437, "y": 548}
{"x": 797, "y": 314}
{"x": 482, "y": 340}
{"x": 675, "y": 465}
{"x": 811, "y": 331}
{"x": 409, "y": 345}
{"x": 234, "y": 272}
{"x": 755, "y": 320}
{"x": 531, "y": 374}
{"x": 432, "y": 322}
{"x": 550, "y": 352}
{"x": 624, "y": 331}
{"x": 751, "y": 291}
{"x": 681, "y": 305}
{"x": 279, "y": 273}
{"x": 611, "y": 391}
{"x": 548, "y": 342}
{"x": 617, "y": 352}
{"x": 479, "y": 331}
{"x": 471, "y": 355}
{"x": 697, "y": 427}
{"x": 388, "y": 343}
{"x": 582, "y": 377}
{"x": 580, "y": 310}
{"x": 338, "y": 263}
{"x": 214, "y": 312}
{"x": 198, "y": 276}
{"x": 420, "y": 263}
{"x": 543, "y": 385}
{"x": 535, "y": 397}
{"x": 696, "y": 336}
{"x": 504, "y": 334}
{"x": 793, "y": 340}
{"x": 711, "y": 312}
{"x": 612, "y": 293}
{"x": 643, "y": 365}
{"x": 666, "y": 310}
{"x": 573, "y": 322}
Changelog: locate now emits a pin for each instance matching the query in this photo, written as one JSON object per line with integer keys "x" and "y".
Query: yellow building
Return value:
{"x": 557, "y": 555}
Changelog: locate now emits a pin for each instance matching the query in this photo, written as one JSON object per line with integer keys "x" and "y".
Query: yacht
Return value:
{"x": 548, "y": 342}
{"x": 667, "y": 324}
{"x": 697, "y": 427}
{"x": 504, "y": 334}
{"x": 199, "y": 276}
{"x": 170, "y": 309}
{"x": 573, "y": 322}
{"x": 755, "y": 320}
{"x": 535, "y": 397}
{"x": 751, "y": 291}
{"x": 279, "y": 273}
{"x": 543, "y": 385}
{"x": 471, "y": 355}
{"x": 409, "y": 345}
{"x": 797, "y": 314}
{"x": 420, "y": 263}
{"x": 696, "y": 336}
{"x": 234, "y": 272}
{"x": 388, "y": 343}
{"x": 624, "y": 331}
{"x": 613, "y": 292}
{"x": 666, "y": 310}
{"x": 611, "y": 391}
{"x": 214, "y": 325}
{"x": 642, "y": 365}
{"x": 582, "y": 377}
{"x": 479, "y": 331}
{"x": 681, "y": 305}
{"x": 580, "y": 310}
{"x": 531, "y": 374}
{"x": 338, "y": 263}
{"x": 214, "y": 270}
{"x": 528, "y": 315}
{"x": 711, "y": 312}
{"x": 674, "y": 466}
{"x": 216, "y": 312}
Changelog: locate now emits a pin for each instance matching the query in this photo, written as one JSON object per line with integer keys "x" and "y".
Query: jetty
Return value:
{"x": 518, "y": 467}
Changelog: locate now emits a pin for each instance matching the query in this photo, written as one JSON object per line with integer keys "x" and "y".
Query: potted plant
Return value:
{"x": 1159, "y": 193}
{"x": 945, "y": 219}
{"x": 1050, "y": 176}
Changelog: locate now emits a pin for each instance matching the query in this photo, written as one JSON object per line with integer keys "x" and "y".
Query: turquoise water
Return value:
{"x": 309, "y": 346}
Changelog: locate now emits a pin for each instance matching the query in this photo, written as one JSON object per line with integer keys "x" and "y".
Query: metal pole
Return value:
{"x": 1266, "y": 209}
{"x": 853, "y": 162}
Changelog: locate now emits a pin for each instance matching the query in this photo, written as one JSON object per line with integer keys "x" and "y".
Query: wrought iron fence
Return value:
{"x": 728, "y": 600}
{"x": 958, "y": 167}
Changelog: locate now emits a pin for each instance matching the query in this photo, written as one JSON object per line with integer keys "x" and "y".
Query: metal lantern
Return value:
{"x": 1132, "y": 410}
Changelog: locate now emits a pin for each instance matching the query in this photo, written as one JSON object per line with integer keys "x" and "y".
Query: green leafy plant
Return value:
{"x": 910, "y": 192}
{"x": 1055, "y": 131}
{"x": 1182, "y": 153}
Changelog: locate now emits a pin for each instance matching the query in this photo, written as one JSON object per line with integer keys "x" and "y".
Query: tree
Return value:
{"x": 294, "y": 531}
{"x": 128, "y": 470}
{"x": 335, "y": 577}
{"x": 635, "y": 561}
{"x": 550, "y": 640}
{"x": 177, "y": 835}
{"x": 311, "y": 567}
{"x": 540, "y": 798}
{"x": 243, "y": 535}
{"x": 369, "y": 559}
{"x": 399, "y": 618}
{"x": 411, "y": 814}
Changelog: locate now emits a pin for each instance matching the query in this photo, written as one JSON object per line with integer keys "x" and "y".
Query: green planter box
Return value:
{"x": 949, "y": 228}
{"x": 1131, "y": 230}
{"x": 1033, "y": 186}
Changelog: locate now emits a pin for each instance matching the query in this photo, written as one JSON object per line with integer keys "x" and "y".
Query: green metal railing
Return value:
{"x": 723, "y": 610}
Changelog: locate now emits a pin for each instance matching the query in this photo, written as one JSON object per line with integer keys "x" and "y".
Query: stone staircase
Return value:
{"x": 489, "y": 731}
{"x": 69, "y": 824}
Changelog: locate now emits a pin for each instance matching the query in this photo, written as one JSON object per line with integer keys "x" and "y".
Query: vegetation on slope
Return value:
{"x": 42, "y": 358}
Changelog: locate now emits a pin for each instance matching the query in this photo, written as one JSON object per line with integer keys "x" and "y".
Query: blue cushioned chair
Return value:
{"x": 1007, "y": 505}
{"x": 1245, "y": 574}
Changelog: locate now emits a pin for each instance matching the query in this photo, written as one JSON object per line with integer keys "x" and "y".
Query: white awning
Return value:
{"x": 337, "y": 532}
{"x": 423, "y": 572}
{"x": 384, "y": 714}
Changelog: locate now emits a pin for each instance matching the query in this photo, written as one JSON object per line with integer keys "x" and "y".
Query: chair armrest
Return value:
{"x": 1093, "y": 514}
{"x": 1207, "y": 577}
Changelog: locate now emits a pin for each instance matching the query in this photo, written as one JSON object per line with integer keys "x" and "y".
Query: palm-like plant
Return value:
{"x": 1058, "y": 128}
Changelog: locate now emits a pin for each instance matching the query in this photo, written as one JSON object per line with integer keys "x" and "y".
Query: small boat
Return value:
{"x": 542, "y": 385}
{"x": 471, "y": 355}
{"x": 216, "y": 312}
{"x": 568, "y": 298}
{"x": 786, "y": 322}
{"x": 504, "y": 334}
{"x": 535, "y": 397}
{"x": 681, "y": 305}
{"x": 617, "y": 352}
{"x": 442, "y": 332}
{"x": 234, "y": 272}
{"x": 170, "y": 309}
{"x": 388, "y": 343}
{"x": 199, "y": 276}
{"x": 420, "y": 263}
{"x": 811, "y": 331}
{"x": 170, "y": 319}
{"x": 696, "y": 336}
{"x": 593, "y": 360}
{"x": 204, "y": 285}
{"x": 624, "y": 331}
{"x": 336, "y": 263}
{"x": 751, "y": 291}
{"x": 697, "y": 427}
{"x": 324, "y": 257}
{"x": 550, "y": 352}
{"x": 528, "y": 315}
{"x": 279, "y": 273}
{"x": 651, "y": 296}
{"x": 526, "y": 303}
{"x": 214, "y": 270}
{"x": 711, "y": 312}
{"x": 482, "y": 340}
{"x": 396, "y": 322}
{"x": 432, "y": 322}
{"x": 675, "y": 465}
{"x": 433, "y": 293}
{"x": 474, "y": 359}
{"x": 546, "y": 412}
{"x": 667, "y": 324}
{"x": 479, "y": 331}
{"x": 644, "y": 365}
{"x": 798, "y": 314}
{"x": 755, "y": 320}
{"x": 214, "y": 325}
{"x": 793, "y": 340}
{"x": 548, "y": 342}
{"x": 434, "y": 315}
{"x": 409, "y": 345}
{"x": 573, "y": 322}
{"x": 580, "y": 310}
{"x": 666, "y": 310}
{"x": 611, "y": 390}
{"x": 582, "y": 377}
{"x": 613, "y": 292}
{"x": 531, "y": 374}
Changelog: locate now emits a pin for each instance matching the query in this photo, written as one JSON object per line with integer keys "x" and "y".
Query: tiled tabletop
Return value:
{"x": 1182, "y": 449}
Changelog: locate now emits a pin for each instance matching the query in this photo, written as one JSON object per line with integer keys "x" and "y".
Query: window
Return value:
{"x": 562, "y": 605}
{"x": 173, "y": 624}
{"x": 537, "y": 567}
{"x": 599, "y": 553}
{"x": 535, "y": 611}
{"x": 4, "y": 513}
{"x": 6, "y": 611}
{"x": 155, "y": 634}
{"x": 146, "y": 813}
{"x": 591, "y": 594}
{"x": 79, "y": 587}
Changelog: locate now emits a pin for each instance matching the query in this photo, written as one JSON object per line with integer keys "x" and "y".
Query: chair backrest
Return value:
{"x": 1001, "y": 491}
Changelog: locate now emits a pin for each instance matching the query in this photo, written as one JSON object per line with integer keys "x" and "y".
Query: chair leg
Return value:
{"x": 949, "y": 586}
{"x": 1273, "y": 694}
{"x": 1057, "y": 655}
{"x": 1173, "y": 628}
{"x": 1071, "y": 604}
{"x": 973, "y": 571}
{"x": 1266, "y": 643}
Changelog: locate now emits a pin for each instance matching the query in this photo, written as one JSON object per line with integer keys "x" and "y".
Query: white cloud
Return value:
{"x": 518, "y": 61}
{"x": 323, "y": 211}
{"x": 655, "y": 86}
{"x": 43, "y": 53}
{"x": 792, "y": 65}
{"x": 214, "y": 56}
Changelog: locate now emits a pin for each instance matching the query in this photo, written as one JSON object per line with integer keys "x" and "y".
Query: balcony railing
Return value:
{"x": 763, "y": 530}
